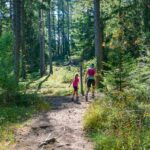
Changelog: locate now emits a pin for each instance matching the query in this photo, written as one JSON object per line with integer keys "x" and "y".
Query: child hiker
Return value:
{"x": 75, "y": 83}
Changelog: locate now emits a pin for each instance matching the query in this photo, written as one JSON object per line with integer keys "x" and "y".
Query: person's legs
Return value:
{"x": 93, "y": 91}
{"x": 77, "y": 96}
{"x": 87, "y": 92}
{"x": 73, "y": 94}
{"x": 93, "y": 88}
{"x": 88, "y": 89}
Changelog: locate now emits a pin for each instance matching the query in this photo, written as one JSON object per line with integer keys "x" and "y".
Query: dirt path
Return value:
{"x": 59, "y": 129}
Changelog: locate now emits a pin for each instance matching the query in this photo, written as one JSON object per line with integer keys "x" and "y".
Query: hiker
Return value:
{"x": 90, "y": 81}
{"x": 75, "y": 83}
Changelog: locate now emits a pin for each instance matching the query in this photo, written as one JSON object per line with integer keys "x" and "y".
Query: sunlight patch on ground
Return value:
{"x": 56, "y": 84}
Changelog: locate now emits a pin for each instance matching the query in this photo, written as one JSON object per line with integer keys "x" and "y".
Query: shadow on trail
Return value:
{"x": 61, "y": 102}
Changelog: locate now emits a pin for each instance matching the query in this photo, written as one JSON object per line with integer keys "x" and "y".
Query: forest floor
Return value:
{"x": 61, "y": 128}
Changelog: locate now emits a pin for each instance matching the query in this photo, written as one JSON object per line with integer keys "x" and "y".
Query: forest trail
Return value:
{"x": 61, "y": 128}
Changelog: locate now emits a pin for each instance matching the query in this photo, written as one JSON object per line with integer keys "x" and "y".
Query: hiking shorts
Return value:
{"x": 90, "y": 82}
{"x": 75, "y": 88}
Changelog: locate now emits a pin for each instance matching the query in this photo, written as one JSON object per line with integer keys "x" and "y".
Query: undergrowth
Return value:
{"x": 14, "y": 114}
{"x": 120, "y": 119}
{"x": 19, "y": 107}
{"x": 116, "y": 122}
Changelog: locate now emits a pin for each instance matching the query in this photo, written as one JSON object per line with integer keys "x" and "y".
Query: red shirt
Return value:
{"x": 91, "y": 72}
{"x": 75, "y": 82}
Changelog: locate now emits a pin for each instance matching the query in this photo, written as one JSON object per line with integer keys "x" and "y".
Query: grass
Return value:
{"x": 121, "y": 120}
{"x": 56, "y": 83}
{"x": 14, "y": 115}
{"x": 115, "y": 123}
{"x": 30, "y": 101}
{"x": 10, "y": 117}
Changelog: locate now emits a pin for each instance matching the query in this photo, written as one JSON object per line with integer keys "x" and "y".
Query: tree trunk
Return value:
{"x": 68, "y": 45}
{"x": 11, "y": 14}
{"x": 41, "y": 41}
{"x": 1, "y": 18}
{"x": 49, "y": 40}
{"x": 0, "y": 26}
{"x": 23, "y": 74}
{"x": 54, "y": 31}
{"x": 70, "y": 27}
{"x": 146, "y": 15}
{"x": 98, "y": 40}
{"x": 17, "y": 35}
{"x": 58, "y": 28}
{"x": 63, "y": 29}
{"x": 30, "y": 50}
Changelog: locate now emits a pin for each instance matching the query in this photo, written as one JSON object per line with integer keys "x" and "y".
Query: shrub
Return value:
{"x": 88, "y": 63}
{"x": 14, "y": 114}
{"x": 68, "y": 74}
{"x": 7, "y": 79}
{"x": 134, "y": 77}
{"x": 116, "y": 122}
{"x": 140, "y": 80}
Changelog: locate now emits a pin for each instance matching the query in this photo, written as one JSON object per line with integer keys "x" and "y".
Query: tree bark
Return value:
{"x": 58, "y": 28}
{"x": 49, "y": 40}
{"x": 146, "y": 15}
{"x": 68, "y": 45}
{"x": 98, "y": 41}
{"x": 54, "y": 31}
{"x": 1, "y": 18}
{"x": 23, "y": 74}
{"x": 98, "y": 36}
{"x": 63, "y": 29}
{"x": 17, "y": 36}
{"x": 41, "y": 41}
{"x": 0, "y": 26}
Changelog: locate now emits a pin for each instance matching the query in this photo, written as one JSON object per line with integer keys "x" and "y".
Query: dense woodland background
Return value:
{"x": 38, "y": 38}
